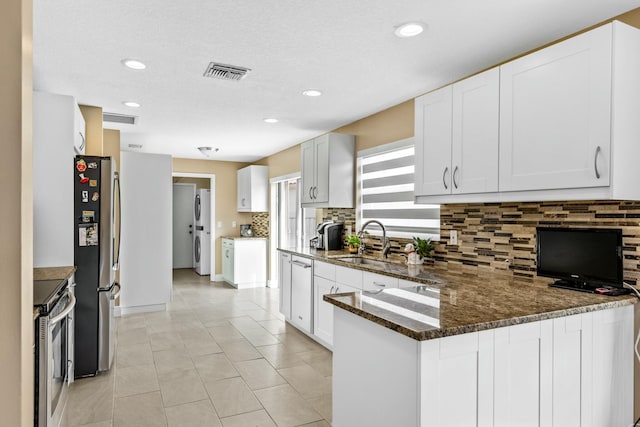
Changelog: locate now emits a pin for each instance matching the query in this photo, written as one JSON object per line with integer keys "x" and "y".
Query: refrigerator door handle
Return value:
{"x": 116, "y": 252}
{"x": 116, "y": 294}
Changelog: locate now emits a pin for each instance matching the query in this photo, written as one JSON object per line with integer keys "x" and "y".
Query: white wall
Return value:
{"x": 146, "y": 252}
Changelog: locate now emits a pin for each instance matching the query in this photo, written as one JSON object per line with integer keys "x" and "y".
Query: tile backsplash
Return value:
{"x": 501, "y": 236}
{"x": 260, "y": 224}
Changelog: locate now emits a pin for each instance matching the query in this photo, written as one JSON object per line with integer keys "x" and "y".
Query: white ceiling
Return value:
{"x": 345, "y": 48}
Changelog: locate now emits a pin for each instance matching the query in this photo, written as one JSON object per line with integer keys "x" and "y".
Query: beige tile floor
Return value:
{"x": 217, "y": 357}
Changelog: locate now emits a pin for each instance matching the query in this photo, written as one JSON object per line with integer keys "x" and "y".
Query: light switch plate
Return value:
{"x": 453, "y": 237}
{"x": 233, "y": 224}
{"x": 219, "y": 224}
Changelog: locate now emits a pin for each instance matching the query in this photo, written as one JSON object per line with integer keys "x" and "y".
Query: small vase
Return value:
{"x": 353, "y": 249}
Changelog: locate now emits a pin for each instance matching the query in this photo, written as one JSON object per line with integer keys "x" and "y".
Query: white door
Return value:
{"x": 183, "y": 225}
{"x": 308, "y": 171}
{"x": 321, "y": 192}
{"x": 475, "y": 149}
{"x": 555, "y": 108}
{"x": 433, "y": 143}
{"x": 244, "y": 189}
{"x": 228, "y": 264}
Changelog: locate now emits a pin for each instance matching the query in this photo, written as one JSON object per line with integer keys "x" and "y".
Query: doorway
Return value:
{"x": 199, "y": 181}
{"x": 183, "y": 224}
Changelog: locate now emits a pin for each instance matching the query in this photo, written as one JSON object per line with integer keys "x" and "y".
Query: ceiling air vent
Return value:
{"x": 225, "y": 72}
{"x": 118, "y": 118}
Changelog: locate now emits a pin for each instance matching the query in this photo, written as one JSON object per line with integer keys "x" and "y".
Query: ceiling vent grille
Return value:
{"x": 119, "y": 118}
{"x": 225, "y": 72}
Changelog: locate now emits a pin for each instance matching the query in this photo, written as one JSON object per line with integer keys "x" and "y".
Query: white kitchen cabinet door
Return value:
{"x": 523, "y": 356}
{"x": 227, "y": 261}
{"x": 321, "y": 191}
{"x": 285, "y": 284}
{"x": 568, "y": 390}
{"x": 555, "y": 109}
{"x": 308, "y": 171}
{"x": 475, "y": 147}
{"x": 301, "y": 294}
{"x": 457, "y": 380}
{"x": 322, "y": 310}
{"x": 433, "y": 120}
{"x": 253, "y": 186}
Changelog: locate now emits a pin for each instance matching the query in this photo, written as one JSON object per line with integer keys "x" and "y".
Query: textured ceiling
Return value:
{"x": 345, "y": 48}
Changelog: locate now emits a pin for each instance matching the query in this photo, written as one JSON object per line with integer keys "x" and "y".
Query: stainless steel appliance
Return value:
{"x": 54, "y": 349}
{"x": 329, "y": 236}
{"x": 245, "y": 230}
{"x": 97, "y": 193}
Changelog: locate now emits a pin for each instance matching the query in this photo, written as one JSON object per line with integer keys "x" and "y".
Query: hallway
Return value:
{"x": 217, "y": 357}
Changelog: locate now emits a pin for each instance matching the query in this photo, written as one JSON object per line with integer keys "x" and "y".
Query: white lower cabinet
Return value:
{"x": 323, "y": 311}
{"x": 570, "y": 371}
{"x": 244, "y": 262}
{"x": 284, "y": 280}
{"x": 301, "y": 293}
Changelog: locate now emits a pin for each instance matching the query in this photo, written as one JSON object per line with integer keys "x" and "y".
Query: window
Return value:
{"x": 385, "y": 193}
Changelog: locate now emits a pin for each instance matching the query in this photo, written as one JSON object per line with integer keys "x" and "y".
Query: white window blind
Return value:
{"x": 386, "y": 179}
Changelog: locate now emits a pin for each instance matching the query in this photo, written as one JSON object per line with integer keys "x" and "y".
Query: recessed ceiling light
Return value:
{"x": 271, "y": 120}
{"x": 131, "y": 104}
{"x": 409, "y": 29}
{"x": 133, "y": 64}
{"x": 312, "y": 92}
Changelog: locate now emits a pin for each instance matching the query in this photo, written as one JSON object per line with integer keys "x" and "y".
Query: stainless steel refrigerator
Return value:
{"x": 96, "y": 253}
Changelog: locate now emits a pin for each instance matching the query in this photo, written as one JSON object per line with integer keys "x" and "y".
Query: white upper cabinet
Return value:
{"x": 560, "y": 124}
{"x": 253, "y": 189}
{"x": 328, "y": 171}
{"x": 555, "y": 115}
{"x": 433, "y": 142}
{"x": 457, "y": 137}
{"x": 475, "y": 133}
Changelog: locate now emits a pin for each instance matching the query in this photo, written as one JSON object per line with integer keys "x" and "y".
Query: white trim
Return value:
{"x": 141, "y": 309}
{"x": 287, "y": 177}
{"x": 391, "y": 146}
{"x": 212, "y": 187}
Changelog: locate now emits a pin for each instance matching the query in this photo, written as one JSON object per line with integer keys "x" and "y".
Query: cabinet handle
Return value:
{"x": 301, "y": 264}
{"x": 331, "y": 291}
{"x": 595, "y": 162}
{"x": 337, "y": 289}
{"x": 83, "y": 141}
{"x": 300, "y": 317}
{"x": 310, "y": 192}
{"x": 444, "y": 182}
{"x": 315, "y": 192}
{"x": 382, "y": 285}
{"x": 455, "y": 173}
{"x": 285, "y": 256}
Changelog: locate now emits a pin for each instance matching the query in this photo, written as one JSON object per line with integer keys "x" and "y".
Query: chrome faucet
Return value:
{"x": 386, "y": 245}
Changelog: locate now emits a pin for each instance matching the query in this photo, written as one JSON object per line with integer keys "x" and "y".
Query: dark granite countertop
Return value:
{"x": 53, "y": 273}
{"x": 451, "y": 301}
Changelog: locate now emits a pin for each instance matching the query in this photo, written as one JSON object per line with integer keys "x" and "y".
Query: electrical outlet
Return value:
{"x": 347, "y": 230}
{"x": 233, "y": 224}
{"x": 219, "y": 224}
{"x": 453, "y": 237}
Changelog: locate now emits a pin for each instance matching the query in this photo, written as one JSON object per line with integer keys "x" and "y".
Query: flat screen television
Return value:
{"x": 583, "y": 259}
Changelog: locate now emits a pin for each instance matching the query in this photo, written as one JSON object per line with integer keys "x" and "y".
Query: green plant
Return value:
{"x": 352, "y": 240}
{"x": 423, "y": 247}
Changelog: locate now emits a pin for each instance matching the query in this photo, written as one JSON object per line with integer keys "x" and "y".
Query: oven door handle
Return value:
{"x": 65, "y": 312}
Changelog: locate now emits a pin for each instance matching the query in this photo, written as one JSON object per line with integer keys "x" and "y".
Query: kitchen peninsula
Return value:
{"x": 426, "y": 346}
{"x": 485, "y": 351}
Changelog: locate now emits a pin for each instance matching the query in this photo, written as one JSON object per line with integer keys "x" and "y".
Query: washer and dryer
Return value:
{"x": 202, "y": 239}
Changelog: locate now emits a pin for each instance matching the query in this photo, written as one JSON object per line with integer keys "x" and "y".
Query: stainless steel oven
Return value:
{"x": 54, "y": 357}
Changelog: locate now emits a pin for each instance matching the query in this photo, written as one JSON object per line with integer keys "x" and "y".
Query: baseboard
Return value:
{"x": 116, "y": 311}
{"x": 217, "y": 278}
{"x": 142, "y": 309}
{"x": 272, "y": 284}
